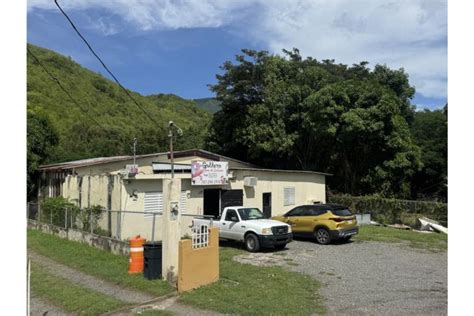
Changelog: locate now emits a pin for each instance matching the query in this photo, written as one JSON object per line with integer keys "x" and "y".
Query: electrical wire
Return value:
{"x": 85, "y": 111}
{"x": 104, "y": 65}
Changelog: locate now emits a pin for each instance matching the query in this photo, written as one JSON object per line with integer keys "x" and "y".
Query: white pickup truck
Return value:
{"x": 248, "y": 224}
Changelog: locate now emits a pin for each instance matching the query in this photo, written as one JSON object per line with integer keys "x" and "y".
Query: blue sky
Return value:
{"x": 177, "y": 46}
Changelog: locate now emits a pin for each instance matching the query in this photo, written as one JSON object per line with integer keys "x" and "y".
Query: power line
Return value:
{"x": 86, "y": 112}
{"x": 104, "y": 65}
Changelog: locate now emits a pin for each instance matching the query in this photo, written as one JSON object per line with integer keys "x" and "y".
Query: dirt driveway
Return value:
{"x": 368, "y": 278}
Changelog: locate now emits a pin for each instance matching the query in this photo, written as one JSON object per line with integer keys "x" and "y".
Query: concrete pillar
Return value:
{"x": 171, "y": 230}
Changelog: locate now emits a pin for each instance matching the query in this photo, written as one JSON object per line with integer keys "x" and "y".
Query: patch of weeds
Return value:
{"x": 435, "y": 242}
{"x": 301, "y": 291}
{"x": 93, "y": 261}
{"x": 69, "y": 296}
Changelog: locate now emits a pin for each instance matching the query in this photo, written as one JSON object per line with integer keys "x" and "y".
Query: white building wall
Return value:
{"x": 128, "y": 194}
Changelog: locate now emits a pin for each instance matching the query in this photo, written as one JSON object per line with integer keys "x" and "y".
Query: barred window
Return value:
{"x": 288, "y": 196}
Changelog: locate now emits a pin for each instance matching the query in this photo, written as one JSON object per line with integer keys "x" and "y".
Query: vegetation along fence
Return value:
{"x": 390, "y": 211}
{"x": 97, "y": 220}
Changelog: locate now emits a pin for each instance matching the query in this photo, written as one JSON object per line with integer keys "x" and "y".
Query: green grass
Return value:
{"x": 433, "y": 242}
{"x": 69, "y": 296}
{"x": 250, "y": 290}
{"x": 93, "y": 261}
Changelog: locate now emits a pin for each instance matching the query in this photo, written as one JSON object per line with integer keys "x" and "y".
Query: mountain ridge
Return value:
{"x": 120, "y": 120}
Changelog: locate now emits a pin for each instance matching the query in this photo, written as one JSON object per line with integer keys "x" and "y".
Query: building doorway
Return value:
{"x": 267, "y": 204}
{"x": 216, "y": 199}
{"x": 232, "y": 198}
{"x": 212, "y": 202}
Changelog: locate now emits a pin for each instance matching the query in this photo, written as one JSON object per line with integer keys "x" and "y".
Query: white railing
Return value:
{"x": 200, "y": 236}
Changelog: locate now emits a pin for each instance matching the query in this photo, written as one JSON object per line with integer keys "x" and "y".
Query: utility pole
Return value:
{"x": 134, "y": 150}
{"x": 172, "y": 126}
{"x": 171, "y": 216}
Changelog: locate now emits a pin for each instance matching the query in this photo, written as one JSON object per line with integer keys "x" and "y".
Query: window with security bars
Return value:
{"x": 288, "y": 196}
{"x": 200, "y": 237}
{"x": 153, "y": 203}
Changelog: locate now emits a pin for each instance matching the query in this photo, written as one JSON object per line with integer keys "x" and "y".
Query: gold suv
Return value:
{"x": 323, "y": 222}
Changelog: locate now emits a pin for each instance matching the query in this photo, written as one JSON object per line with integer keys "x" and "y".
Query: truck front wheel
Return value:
{"x": 251, "y": 243}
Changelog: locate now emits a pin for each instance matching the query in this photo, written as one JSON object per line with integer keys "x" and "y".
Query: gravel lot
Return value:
{"x": 368, "y": 278}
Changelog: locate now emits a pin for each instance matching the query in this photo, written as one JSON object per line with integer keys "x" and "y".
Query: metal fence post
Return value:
{"x": 28, "y": 295}
{"x": 153, "y": 229}
{"x": 51, "y": 217}
{"x": 82, "y": 218}
{"x": 65, "y": 218}
{"x": 39, "y": 213}
{"x": 28, "y": 210}
{"x": 90, "y": 222}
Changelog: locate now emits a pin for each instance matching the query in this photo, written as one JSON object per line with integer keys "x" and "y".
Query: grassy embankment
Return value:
{"x": 242, "y": 289}
{"x": 93, "y": 261}
{"x": 69, "y": 296}
{"x": 433, "y": 242}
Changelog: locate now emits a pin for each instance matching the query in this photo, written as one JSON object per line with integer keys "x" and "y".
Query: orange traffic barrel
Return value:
{"x": 136, "y": 260}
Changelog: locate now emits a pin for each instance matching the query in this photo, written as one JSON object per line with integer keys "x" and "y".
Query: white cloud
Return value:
{"x": 403, "y": 33}
{"x": 408, "y": 34}
{"x": 157, "y": 14}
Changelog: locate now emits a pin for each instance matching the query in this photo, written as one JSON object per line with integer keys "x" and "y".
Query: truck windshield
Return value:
{"x": 250, "y": 213}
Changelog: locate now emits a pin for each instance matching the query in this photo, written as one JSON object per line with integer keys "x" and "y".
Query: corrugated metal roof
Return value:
{"x": 102, "y": 160}
{"x": 280, "y": 170}
{"x": 162, "y": 166}
{"x": 89, "y": 162}
{"x": 183, "y": 153}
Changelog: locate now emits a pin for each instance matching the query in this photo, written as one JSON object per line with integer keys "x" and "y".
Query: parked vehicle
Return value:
{"x": 248, "y": 225}
{"x": 323, "y": 222}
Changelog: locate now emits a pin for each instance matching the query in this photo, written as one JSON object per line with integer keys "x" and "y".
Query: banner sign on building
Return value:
{"x": 209, "y": 172}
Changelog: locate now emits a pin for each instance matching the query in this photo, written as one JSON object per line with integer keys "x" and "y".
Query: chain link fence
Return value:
{"x": 117, "y": 224}
{"x": 389, "y": 211}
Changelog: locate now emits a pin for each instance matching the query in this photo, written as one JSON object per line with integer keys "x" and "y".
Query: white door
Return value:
{"x": 228, "y": 225}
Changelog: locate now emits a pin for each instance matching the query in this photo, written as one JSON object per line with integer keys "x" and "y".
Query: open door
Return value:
{"x": 232, "y": 198}
{"x": 212, "y": 202}
{"x": 267, "y": 204}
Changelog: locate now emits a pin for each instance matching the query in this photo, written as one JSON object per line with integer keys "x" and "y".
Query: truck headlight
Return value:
{"x": 289, "y": 229}
{"x": 267, "y": 231}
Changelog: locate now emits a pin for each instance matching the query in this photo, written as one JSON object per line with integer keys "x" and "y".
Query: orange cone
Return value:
{"x": 136, "y": 260}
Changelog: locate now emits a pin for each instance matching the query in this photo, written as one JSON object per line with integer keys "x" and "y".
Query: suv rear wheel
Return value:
{"x": 251, "y": 243}
{"x": 322, "y": 236}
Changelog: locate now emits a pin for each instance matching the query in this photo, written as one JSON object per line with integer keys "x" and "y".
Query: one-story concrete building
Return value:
{"x": 107, "y": 182}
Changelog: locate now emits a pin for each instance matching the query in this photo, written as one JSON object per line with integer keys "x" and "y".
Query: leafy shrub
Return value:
{"x": 53, "y": 211}
{"x": 389, "y": 211}
{"x": 91, "y": 216}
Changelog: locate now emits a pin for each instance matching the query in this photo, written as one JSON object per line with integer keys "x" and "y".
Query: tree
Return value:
{"x": 430, "y": 130}
{"x": 290, "y": 112}
{"x": 41, "y": 141}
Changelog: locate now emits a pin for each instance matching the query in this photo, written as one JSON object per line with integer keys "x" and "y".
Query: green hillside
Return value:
{"x": 119, "y": 118}
{"x": 209, "y": 104}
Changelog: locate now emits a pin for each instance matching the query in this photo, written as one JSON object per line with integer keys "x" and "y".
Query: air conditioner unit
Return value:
{"x": 250, "y": 181}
